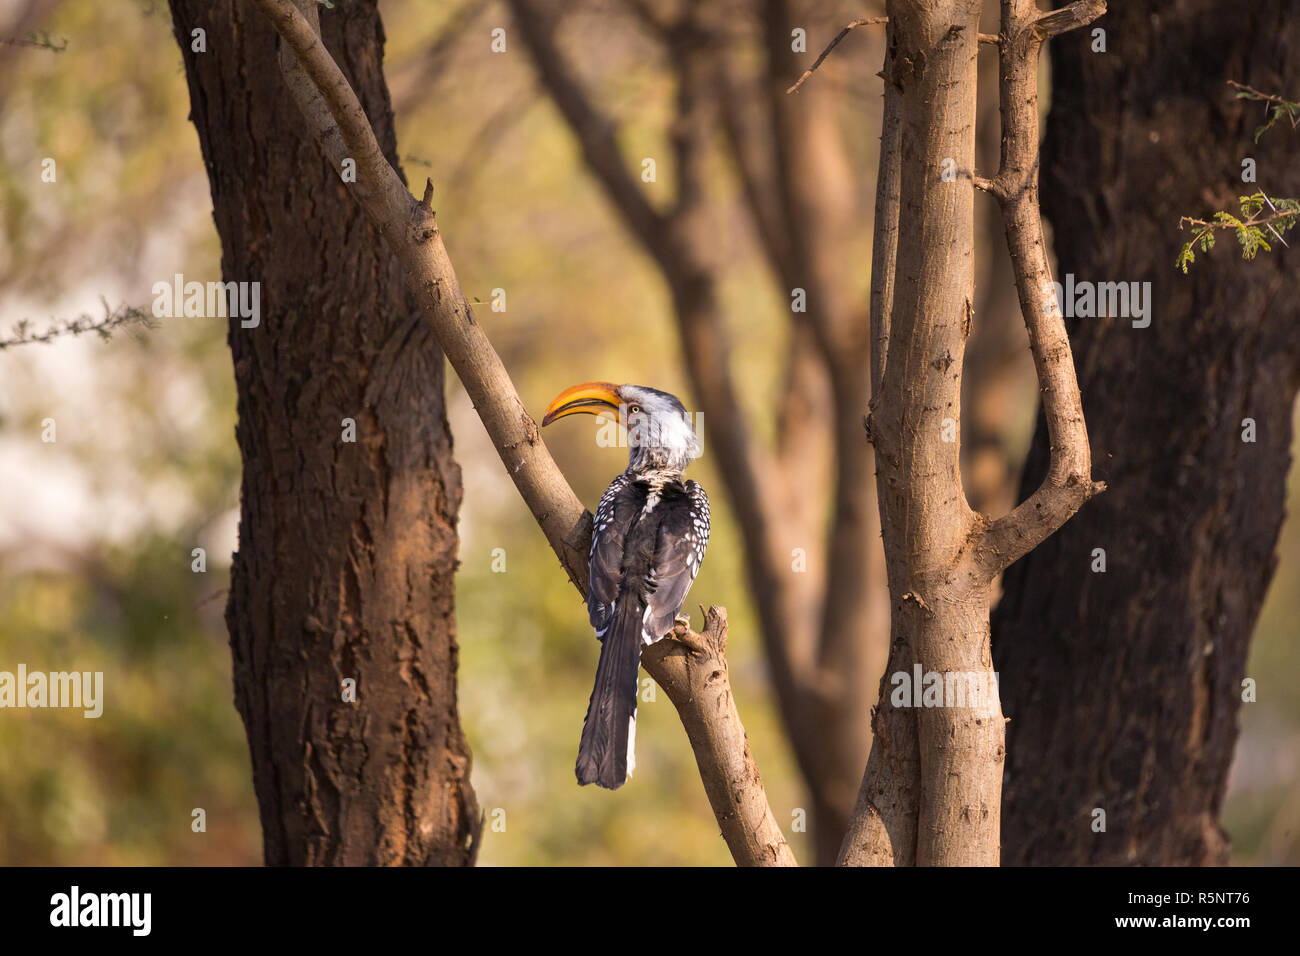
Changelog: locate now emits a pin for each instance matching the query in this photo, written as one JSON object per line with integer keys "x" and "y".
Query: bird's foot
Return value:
{"x": 682, "y": 620}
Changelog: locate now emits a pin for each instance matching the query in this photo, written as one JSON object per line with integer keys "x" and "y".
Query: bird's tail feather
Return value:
{"x": 605, "y": 751}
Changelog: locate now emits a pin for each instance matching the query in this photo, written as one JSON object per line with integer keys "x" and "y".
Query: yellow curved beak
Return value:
{"x": 589, "y": 398}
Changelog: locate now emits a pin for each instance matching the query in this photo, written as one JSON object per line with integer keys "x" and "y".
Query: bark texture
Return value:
{"x": 938, "y": 604}
{"x": 347, "y": 550}
{"x": 931, "y": 794}
{"x": 692, "y": 670}
{"x": 1124, "y": 687}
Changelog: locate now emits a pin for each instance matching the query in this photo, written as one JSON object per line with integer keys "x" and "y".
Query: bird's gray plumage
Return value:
{"x": 648, "y": 539}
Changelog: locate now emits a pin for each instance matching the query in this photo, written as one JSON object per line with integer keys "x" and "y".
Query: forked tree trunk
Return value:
{"x": 1124, "y": 687}
{"x": 347, "y": 549}
{"x": 931, "y": 794}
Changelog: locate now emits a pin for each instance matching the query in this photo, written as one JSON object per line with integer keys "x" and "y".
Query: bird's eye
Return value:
{"x": 633, "y": 409}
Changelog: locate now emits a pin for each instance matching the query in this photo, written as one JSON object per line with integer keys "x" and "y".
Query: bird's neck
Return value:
{"x": 657, "y": 460}
{"x": 665, "y": 443}
{"x": 655, "y": 477}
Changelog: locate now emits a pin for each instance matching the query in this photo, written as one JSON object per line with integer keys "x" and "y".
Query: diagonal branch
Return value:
{"x": 802, "y": 398}
{"x": 420, "y": 76}
{"x": 748, "y": 141}
{"x": 692, "y": 670}
{"x": 336, "y": 119}
{"x": 852, "y": 25}
{"x": 339, "y": 123}
{"x": 681, "y": 243}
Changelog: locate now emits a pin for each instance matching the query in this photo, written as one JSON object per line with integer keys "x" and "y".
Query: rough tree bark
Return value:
{"x": 1123, "y": 687}
{"x": 692, "y": 665}
{"x": 692, "y": 670}
{"x": 932, "y": 790}
{"x": 347, "y": 550}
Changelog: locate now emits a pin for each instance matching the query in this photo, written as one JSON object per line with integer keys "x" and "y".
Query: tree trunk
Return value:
{"x": 926, "y": 520}
{"x": 347, "y": 548}
{"x": 931, "y": 794}
{"x": 940, "y": 609}
{"x": 1123, "y": 687}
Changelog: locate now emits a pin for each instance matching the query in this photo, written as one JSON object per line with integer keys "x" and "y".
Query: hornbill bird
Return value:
{"x": 647, "y": 542}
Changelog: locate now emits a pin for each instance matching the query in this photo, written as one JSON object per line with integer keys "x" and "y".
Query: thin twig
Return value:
{"x": 220, "y": 592}
{"x": 1256, "y": 94}
{"x": 1270, "y": 225}
{"x": 859, "y": 22}
{"x": 862, "y": 22}
{"x": 38, "y": 39}
{"x": 1202, "y": 225}
{"x": 121, "y": 317}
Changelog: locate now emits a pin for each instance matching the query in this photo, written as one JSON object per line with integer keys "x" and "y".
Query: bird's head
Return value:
{"x": 660, "y": 434}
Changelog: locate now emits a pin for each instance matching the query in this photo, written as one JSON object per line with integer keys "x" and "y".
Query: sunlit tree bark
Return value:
{"x": 347, "y": 549}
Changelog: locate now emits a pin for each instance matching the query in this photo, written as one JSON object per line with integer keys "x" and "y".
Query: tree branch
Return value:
{"x": 124, "y": 316}
{"x": 883, "y": 828}
{"x": 882, "y": 831}
{"x": 749, "y": 141}
{"x": 813, "y": 179}
{"x": 692, "y": 670}
{"x": 884, "y": 241}
{"x": 417, "y": 79}
{"x": 1068, "y": 483}
{"x": 1078, "y": 14}
{"x": 854, "y": 24}
{"x": 339, "y": 124}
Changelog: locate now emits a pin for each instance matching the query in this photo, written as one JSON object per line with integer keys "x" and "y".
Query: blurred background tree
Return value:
{"x": 96, "y": 529}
